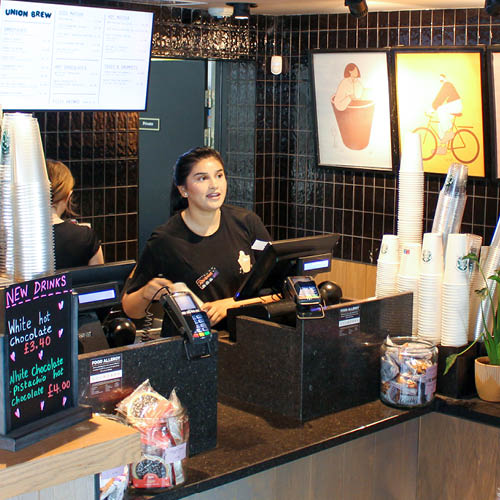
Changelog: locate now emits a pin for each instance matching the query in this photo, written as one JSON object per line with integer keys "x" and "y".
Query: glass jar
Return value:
{"x": 408, "y": 372}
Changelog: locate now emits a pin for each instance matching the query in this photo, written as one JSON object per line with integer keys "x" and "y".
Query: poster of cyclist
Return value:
{"x": 439, "y": 95}
{"x": 352, "y": 105}
{"x": 494, "y": 71}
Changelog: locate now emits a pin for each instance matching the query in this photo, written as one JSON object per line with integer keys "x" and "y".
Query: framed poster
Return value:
{"x": 494, "y": 92}
{"x": 352, "y": 106}
{"x": 440, "y": 95}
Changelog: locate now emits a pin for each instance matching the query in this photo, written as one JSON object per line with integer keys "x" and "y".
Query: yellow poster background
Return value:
{"x": 417, "y": 84}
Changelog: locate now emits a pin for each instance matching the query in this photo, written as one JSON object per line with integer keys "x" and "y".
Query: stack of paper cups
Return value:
{"x": 387, "y": 266}
{"x": 33, "y": 236}
{"x": 474, "y": 243}
{"x": 451, "y": 202}
{"x": 491, "y": 264}
{"x": 411, "y": 191}
{"x": 455, "y": 293}
{"x": 409, "y": 270}
{"x": 482, "y": 310}
{"x": 429, "y": 288}
{"x": 476, "y": 283}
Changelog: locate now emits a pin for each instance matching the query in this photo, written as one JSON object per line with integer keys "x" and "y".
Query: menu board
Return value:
{"x": 39, "y": 349}
{"x": 72, "y": 57}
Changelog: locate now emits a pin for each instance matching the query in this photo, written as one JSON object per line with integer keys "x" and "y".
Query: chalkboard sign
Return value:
{"x": 38, "y": 350}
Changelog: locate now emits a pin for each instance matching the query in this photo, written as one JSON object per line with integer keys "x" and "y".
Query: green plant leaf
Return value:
{"x": 450, "y": 361}
{"x": 482, "y": 292}
{"x": 494, "y": 277}
{"x": 472, "y": 256}
{"x": 496, "y": 322}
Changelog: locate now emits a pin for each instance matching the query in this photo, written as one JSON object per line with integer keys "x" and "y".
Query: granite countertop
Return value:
{"x": 472, "y": 409}
{"x": 248, "y": 443}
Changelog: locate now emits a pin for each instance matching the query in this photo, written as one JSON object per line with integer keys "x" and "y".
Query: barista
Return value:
{"x": 75, "y": 244}
{"x": 206, "y": 244}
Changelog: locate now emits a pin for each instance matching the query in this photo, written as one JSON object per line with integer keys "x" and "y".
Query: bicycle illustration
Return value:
{"x": 464, "y": 144}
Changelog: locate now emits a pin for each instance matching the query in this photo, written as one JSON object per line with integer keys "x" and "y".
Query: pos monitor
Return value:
{"x": 294, "y": 257}
{"x": 99, "y": 290}
{"x": 99, "y": 286}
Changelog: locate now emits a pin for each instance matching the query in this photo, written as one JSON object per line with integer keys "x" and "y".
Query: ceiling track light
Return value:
{"x": 492, "y": 7}
{"x": 358, "y": 8}
{"x": 241, "y": 9}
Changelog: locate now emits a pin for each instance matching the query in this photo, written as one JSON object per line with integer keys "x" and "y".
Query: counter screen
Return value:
{"x": 99, "y": 296}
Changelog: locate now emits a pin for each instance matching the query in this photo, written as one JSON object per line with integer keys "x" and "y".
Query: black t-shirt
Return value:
{"x": 74, "y": 245}
{"x": 214, "y": 266}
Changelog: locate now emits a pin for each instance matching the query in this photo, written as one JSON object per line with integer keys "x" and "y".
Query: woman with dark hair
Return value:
{"x": 206, "y": 244}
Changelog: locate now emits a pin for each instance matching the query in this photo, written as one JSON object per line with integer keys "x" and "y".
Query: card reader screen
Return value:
{"x": 185, "y": 302}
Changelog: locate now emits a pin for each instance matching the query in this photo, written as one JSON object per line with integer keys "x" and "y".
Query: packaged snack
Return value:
{"x": 164, "y": 427}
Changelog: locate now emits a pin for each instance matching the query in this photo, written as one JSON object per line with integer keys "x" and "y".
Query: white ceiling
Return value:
{"x": 282, "y": 7}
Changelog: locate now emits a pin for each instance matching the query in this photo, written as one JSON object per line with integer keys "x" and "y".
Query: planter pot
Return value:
{"x": 487, "y": 379}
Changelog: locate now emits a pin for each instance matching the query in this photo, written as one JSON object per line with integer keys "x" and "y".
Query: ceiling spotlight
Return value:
{"x": 492, "y": 7}
{"x": 358, "y": 8}
{"x": 241, "y": 10}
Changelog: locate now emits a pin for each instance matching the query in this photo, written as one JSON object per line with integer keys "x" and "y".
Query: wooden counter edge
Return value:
{"x": 69, "y": 455}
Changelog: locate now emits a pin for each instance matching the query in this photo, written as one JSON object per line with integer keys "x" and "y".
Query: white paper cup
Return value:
{"x": 389, "y": 249}
{"x": 411, "y": 158}
{"x": 410, "y": 259}
{"x": 454, "y": 315}
{"x": 432, "y": 254}
{"x": 456, "y": 268}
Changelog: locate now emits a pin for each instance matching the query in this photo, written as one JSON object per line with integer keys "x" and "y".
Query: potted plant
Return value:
{"x": 486, "y": 368}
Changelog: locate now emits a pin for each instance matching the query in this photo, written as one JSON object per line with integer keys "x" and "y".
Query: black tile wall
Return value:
{"x": 292, "y": 194}
{"x": 100, "y": 148}
{"x": 304, "y": 199}
{"x": 237, "y": 142}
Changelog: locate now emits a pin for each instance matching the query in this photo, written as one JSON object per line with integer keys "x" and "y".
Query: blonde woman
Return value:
{"x": 75, "y": 245}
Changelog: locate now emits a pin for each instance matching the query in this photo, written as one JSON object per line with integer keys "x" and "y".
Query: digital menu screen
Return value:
{"x": 65, "y": 57}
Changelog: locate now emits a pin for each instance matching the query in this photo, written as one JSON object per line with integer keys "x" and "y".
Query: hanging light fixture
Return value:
{"x": 357, "y": 8}
{"x": 241, "y": 9}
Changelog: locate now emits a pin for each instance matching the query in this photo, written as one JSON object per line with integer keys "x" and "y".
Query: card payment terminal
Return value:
{"x": 305, "y": 293}
{"x": 187, "y": 317}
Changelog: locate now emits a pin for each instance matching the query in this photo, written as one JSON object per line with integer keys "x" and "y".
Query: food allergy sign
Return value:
{"x": 38, "y": 349}
{"x": 349, "y": 320}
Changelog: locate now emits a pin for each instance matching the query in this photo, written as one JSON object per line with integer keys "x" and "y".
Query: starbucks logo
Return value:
{"x": 5, "y": 144}
{"x": 462, "y": 264}
{"x": 426, "y": 256}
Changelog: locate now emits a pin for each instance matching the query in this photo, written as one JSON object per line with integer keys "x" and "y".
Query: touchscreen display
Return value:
{"x": 185, "y": 302}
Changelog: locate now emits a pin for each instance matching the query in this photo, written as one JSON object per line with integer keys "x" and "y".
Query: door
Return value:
{"x": 173, "y": 123}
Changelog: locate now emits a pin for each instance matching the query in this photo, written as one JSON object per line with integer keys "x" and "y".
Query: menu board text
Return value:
{"x": 39, "y": 349}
